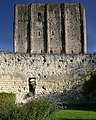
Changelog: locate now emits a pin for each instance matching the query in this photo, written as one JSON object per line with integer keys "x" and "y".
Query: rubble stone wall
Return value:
{"x": 52, "y": 73}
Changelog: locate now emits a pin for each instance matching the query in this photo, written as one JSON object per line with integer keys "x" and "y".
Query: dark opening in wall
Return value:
{"x": 47, "y": 64}
{"x": 82, "y": 61}
{"x": 71, "y": 60}
{"x": 39, "y": 75}
{"x": 44, "y": 87}
{"x": 60, "y": 60}
{"x": 44, "y": 76}
{"x": 44, "y": 60}
{"x": 51, "y": 51}
{"x": 38, "y": 33}
{"x": 59, "y": 66}
{"x": 39, "y": 17}
{"x": 71, "y": 51}
{"x": 52, "y": 33}
{"x": 41, "y": 51}
{"x": 92, "y": 61}
{"x": 18, "y": 59}
{"x": 61, "y": 32}
{"x": 5, "y": 60}
{"x": 32, "y": 85}
{"x": 33, "y": 60}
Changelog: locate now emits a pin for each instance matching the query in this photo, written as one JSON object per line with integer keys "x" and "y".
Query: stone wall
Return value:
{"x": 50, "y": 28}
{"x": 62, "y": 74}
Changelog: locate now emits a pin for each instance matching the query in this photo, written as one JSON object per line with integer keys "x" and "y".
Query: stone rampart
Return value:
{"x": 51, "y": 73}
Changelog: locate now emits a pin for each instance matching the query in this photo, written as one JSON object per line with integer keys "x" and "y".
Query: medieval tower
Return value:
{"x": 50, "y": 28}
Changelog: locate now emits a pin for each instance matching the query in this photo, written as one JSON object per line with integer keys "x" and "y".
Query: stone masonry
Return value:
{"x": 50, "y": 28}
{"x": 51, "y": 74}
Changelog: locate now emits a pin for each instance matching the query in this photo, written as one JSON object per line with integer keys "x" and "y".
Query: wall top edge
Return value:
{"x": 26, "y": 54}
{"x": 49, "y": 4}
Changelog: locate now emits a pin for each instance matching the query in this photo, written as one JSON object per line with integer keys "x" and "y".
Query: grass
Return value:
{"x": 7, "y": 103}
{"x": 73, "y": 114}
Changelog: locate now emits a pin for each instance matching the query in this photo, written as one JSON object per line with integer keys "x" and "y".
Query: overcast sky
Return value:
{"x": 7, "y": 18}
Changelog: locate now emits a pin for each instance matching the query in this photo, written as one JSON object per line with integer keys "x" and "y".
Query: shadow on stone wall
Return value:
{"x": 67, "y": 97}
{"x": 72, "y": 99}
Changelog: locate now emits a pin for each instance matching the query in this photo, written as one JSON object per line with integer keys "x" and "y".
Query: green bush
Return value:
{"x": 89, "y": 88}
{"x": 37, "y": 109}
{"x": 7, "y": 103}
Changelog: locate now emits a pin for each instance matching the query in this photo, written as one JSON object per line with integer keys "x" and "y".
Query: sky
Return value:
{"x": 7, "y": 18}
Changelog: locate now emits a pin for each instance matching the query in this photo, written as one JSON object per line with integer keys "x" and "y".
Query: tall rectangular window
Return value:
{"x": 39, "y": 17}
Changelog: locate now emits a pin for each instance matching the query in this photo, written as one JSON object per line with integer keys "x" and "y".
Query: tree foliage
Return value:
{"x": 89, "y": 87}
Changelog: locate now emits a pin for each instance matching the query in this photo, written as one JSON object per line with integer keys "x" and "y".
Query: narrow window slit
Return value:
{"x": 39, "y": 17}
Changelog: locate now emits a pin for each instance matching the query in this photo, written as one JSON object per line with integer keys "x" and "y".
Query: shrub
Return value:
{"x": 37, "y": 109}
{"x": 7, "y": 103}
{"x": 89, "y": 87}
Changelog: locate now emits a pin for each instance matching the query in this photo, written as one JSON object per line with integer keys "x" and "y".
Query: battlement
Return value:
{"x": 50, "y": 28}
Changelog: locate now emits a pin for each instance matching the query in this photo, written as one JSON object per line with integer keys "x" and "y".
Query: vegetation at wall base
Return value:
{"x": 89, "y": 88}
{"x": 7, "y": 104}
{"x": 42, "y": 109}
{"x": 38, "y": 109}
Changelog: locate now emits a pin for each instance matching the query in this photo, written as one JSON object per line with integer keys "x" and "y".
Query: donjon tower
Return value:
{"x": 50, "y": 28}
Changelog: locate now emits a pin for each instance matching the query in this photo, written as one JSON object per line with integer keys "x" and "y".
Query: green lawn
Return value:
{"x": 73, "y": 114}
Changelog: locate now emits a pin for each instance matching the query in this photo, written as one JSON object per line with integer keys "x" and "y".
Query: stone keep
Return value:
{"x": 50, "y": 28}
